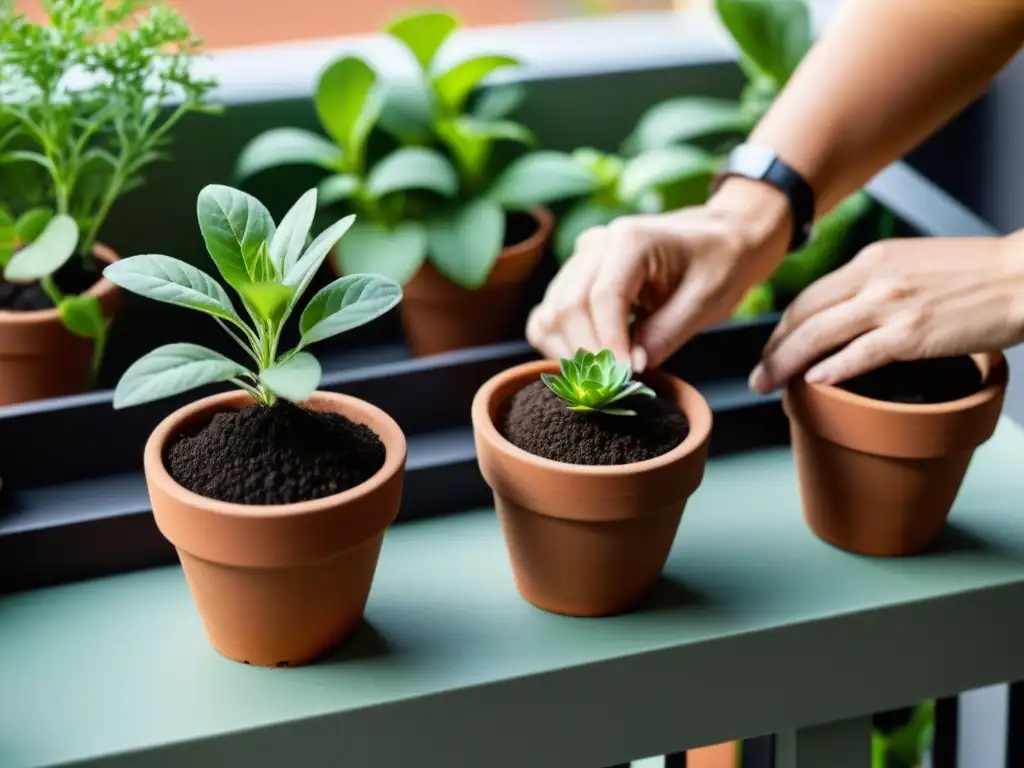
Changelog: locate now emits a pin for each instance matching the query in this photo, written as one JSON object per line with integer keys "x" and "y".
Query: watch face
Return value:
{"x": 752, "y": 161}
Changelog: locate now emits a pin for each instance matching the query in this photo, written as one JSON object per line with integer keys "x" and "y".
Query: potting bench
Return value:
{"x": 757, "y": 628}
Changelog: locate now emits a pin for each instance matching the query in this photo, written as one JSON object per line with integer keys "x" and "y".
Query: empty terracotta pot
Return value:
{"x": 879, "y": 478}
{"x": 39, "y": 357}
{"x": 439, "y": 316}
{"x": 278, "y": 585}
{"x": 587, "y": 540}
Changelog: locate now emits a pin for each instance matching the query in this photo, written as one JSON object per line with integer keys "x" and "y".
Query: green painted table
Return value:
{"x": 757, "y": 628}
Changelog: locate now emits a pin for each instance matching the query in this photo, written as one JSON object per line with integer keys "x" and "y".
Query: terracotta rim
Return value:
{"x": 101, "y": 289}
{"x": 992, "y": 365}
{"x": 699, "y": 418}
{"x": 387, "y": 429}
{"x": 545, "y": 223}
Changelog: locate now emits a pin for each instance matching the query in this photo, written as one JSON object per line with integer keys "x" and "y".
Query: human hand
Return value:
{"x": 900, "y": 300}
{"x": 683, "y": 270}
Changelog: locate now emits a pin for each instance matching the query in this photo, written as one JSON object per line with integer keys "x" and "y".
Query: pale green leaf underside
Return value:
{"x": 235, "y": 226}
{"x": 287, "y": 146}
{"x": 295, "y": 379}
{"x": 47, "y": 253}
{"x": 659, "y": 167}
{"x": 347, "y": 303}
{"x": 397, "y": 253}
{"x": 413, "y": 168}
{"x": 334, "y": 189}
{"x": 169, "y": 280}
{"x": 302, "y": 273}
{"x": 290, "y": 238}
{"x": 686, "y": 119}
{"x": 541, "y": 178}
{"x": 171, "y": 370}
{"x": 465, "y": 243}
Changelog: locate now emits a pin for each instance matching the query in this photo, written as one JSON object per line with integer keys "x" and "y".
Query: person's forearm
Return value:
{"x": 883, "y": 76}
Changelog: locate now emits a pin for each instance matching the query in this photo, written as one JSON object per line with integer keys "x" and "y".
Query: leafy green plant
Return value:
{"x": 269, "y": 266}
{"x": 906, "y": 746}
{"x": 592, "y": 382}
{"x": 82, "y": 102}
{"x": 430, "y": 196}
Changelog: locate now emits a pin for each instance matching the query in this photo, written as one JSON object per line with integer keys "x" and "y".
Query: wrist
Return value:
{"x": 760, "y": 210}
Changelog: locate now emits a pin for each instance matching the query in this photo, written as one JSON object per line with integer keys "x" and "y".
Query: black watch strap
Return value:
{"x": 763, "y": 164}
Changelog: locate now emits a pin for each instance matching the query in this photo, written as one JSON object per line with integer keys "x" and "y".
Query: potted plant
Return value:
{"x": 276, "y": 496}
{"x": 590, "y": 472}
{"x": 428, "y": 217}
{"x": 668, "y": 160}
{"x": 81, "y": 116}
{"x": 880, "y": 458}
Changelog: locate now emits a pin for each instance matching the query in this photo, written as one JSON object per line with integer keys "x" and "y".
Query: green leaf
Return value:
{"x": 471, "y": 140}
{"x": 171, "y": 370}
{"x": 290, "y": 237}
{"x": 346, "y": 106}
{"x": 31, "y": 224}
{"x": 465, "y": 243}
{"x": 662, "y": 167}
{"x": 413, "y": 168}
{"x": 677, "y": 121}
{"x": 270, "y": 300}
{"x": 540, "y": 178}
{"x": 773, "y": 35}
{"x": 83, "y": 316}
{"x": 295, "y": 379}
{"x": 423, "y": 33}
{"x": 7, "y": 238}
{"x": 407, "y": 112}
{"x": 336, "y": 188}
{"x": 454, "y": 86}
{"x": 499, "y": 101}
{"x": 235, "y": 226}
{"x": 286, "y": 146}
{"x": 347, "y": 303}
{"x": 300, "y": 275}
{"x": 46, "y": 254}
{"x": 581, "y": 217}
{"x": 165, "y": 279}
{"x": 397, "y": 253}
{"x": 756, "y": 301}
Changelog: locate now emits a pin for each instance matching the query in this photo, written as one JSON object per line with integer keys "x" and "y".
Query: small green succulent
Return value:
{"x": 592, "y": 382}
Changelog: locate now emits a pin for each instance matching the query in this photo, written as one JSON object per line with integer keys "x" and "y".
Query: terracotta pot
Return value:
{"x": 278, "y": 585}
{"x": 587, "y": 541}
{"x": 439, "y": 316}
{"x": 39, "y": 357}
{"x": 879, "y": 478}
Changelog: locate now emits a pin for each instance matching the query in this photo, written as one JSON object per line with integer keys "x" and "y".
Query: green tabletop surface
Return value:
{"x": 757, "y": 627}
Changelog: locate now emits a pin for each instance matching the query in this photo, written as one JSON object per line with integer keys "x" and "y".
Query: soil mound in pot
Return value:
{"x": 74, "y": 277}
{"x": 538, "y": 422}
{"x": 919, "y": 382}
{"x": 280, "y": 454}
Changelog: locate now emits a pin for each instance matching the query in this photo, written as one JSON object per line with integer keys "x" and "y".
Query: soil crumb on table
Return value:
{"x": 279, "y": 454}
{"x": 538, "y": 422}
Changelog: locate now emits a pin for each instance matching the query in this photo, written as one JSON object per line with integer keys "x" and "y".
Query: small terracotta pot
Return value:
{"x": 278, "y": 585}
{"x": 39, "y": 357}
{"x": 587, "y": 541}
{"x": 439, "y": 316}
{"x": 879, "y": 478}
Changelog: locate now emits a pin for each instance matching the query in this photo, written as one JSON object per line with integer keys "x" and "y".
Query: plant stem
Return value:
{"x": 238, "y": 340}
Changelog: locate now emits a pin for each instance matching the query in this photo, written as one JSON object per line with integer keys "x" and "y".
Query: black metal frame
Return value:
{"x": 1015, "y": 727}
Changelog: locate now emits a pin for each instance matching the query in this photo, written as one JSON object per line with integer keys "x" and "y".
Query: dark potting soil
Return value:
{"x": 279, "y": 454}
{"x": 919, "y": 382}
{"x": 76, "y": 276}
{"x": 538, "y": 422}
{"x": 519, "y": 226}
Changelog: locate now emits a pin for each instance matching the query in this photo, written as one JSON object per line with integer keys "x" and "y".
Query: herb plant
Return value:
{"x": 270, "y": 267}
{"x": 429, "y": 198}
{"x": 81, "y": 105}
{"x": 592, "y": 382}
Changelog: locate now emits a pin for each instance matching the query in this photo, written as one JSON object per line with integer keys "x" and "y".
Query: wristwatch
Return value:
{"x": 764, "y": 164}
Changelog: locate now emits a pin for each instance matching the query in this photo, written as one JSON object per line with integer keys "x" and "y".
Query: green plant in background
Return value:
{"x": 81, "y": 104}
{"x": 905, "y": 747}
{"x": 270, "y": 267}
{"x": 592, "y": 382}
{"x": 428, "y": 198}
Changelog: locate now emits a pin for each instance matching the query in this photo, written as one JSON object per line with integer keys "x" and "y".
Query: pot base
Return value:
{"x": 584, "y": 568}
{"x": 282, "y": 617}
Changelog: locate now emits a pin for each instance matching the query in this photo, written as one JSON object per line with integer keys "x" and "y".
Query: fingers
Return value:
{"x": 866, "y": 353}
{"x": 797, "y": 350}
{"x": 680, "y": 318}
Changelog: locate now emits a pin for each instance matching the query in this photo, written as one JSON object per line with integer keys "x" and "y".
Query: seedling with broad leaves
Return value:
{"x": 596, "y": 383}
{"x": 270, "y": 267}
{"x": 430, "y": 197}
{"x": 81, "y": 115}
